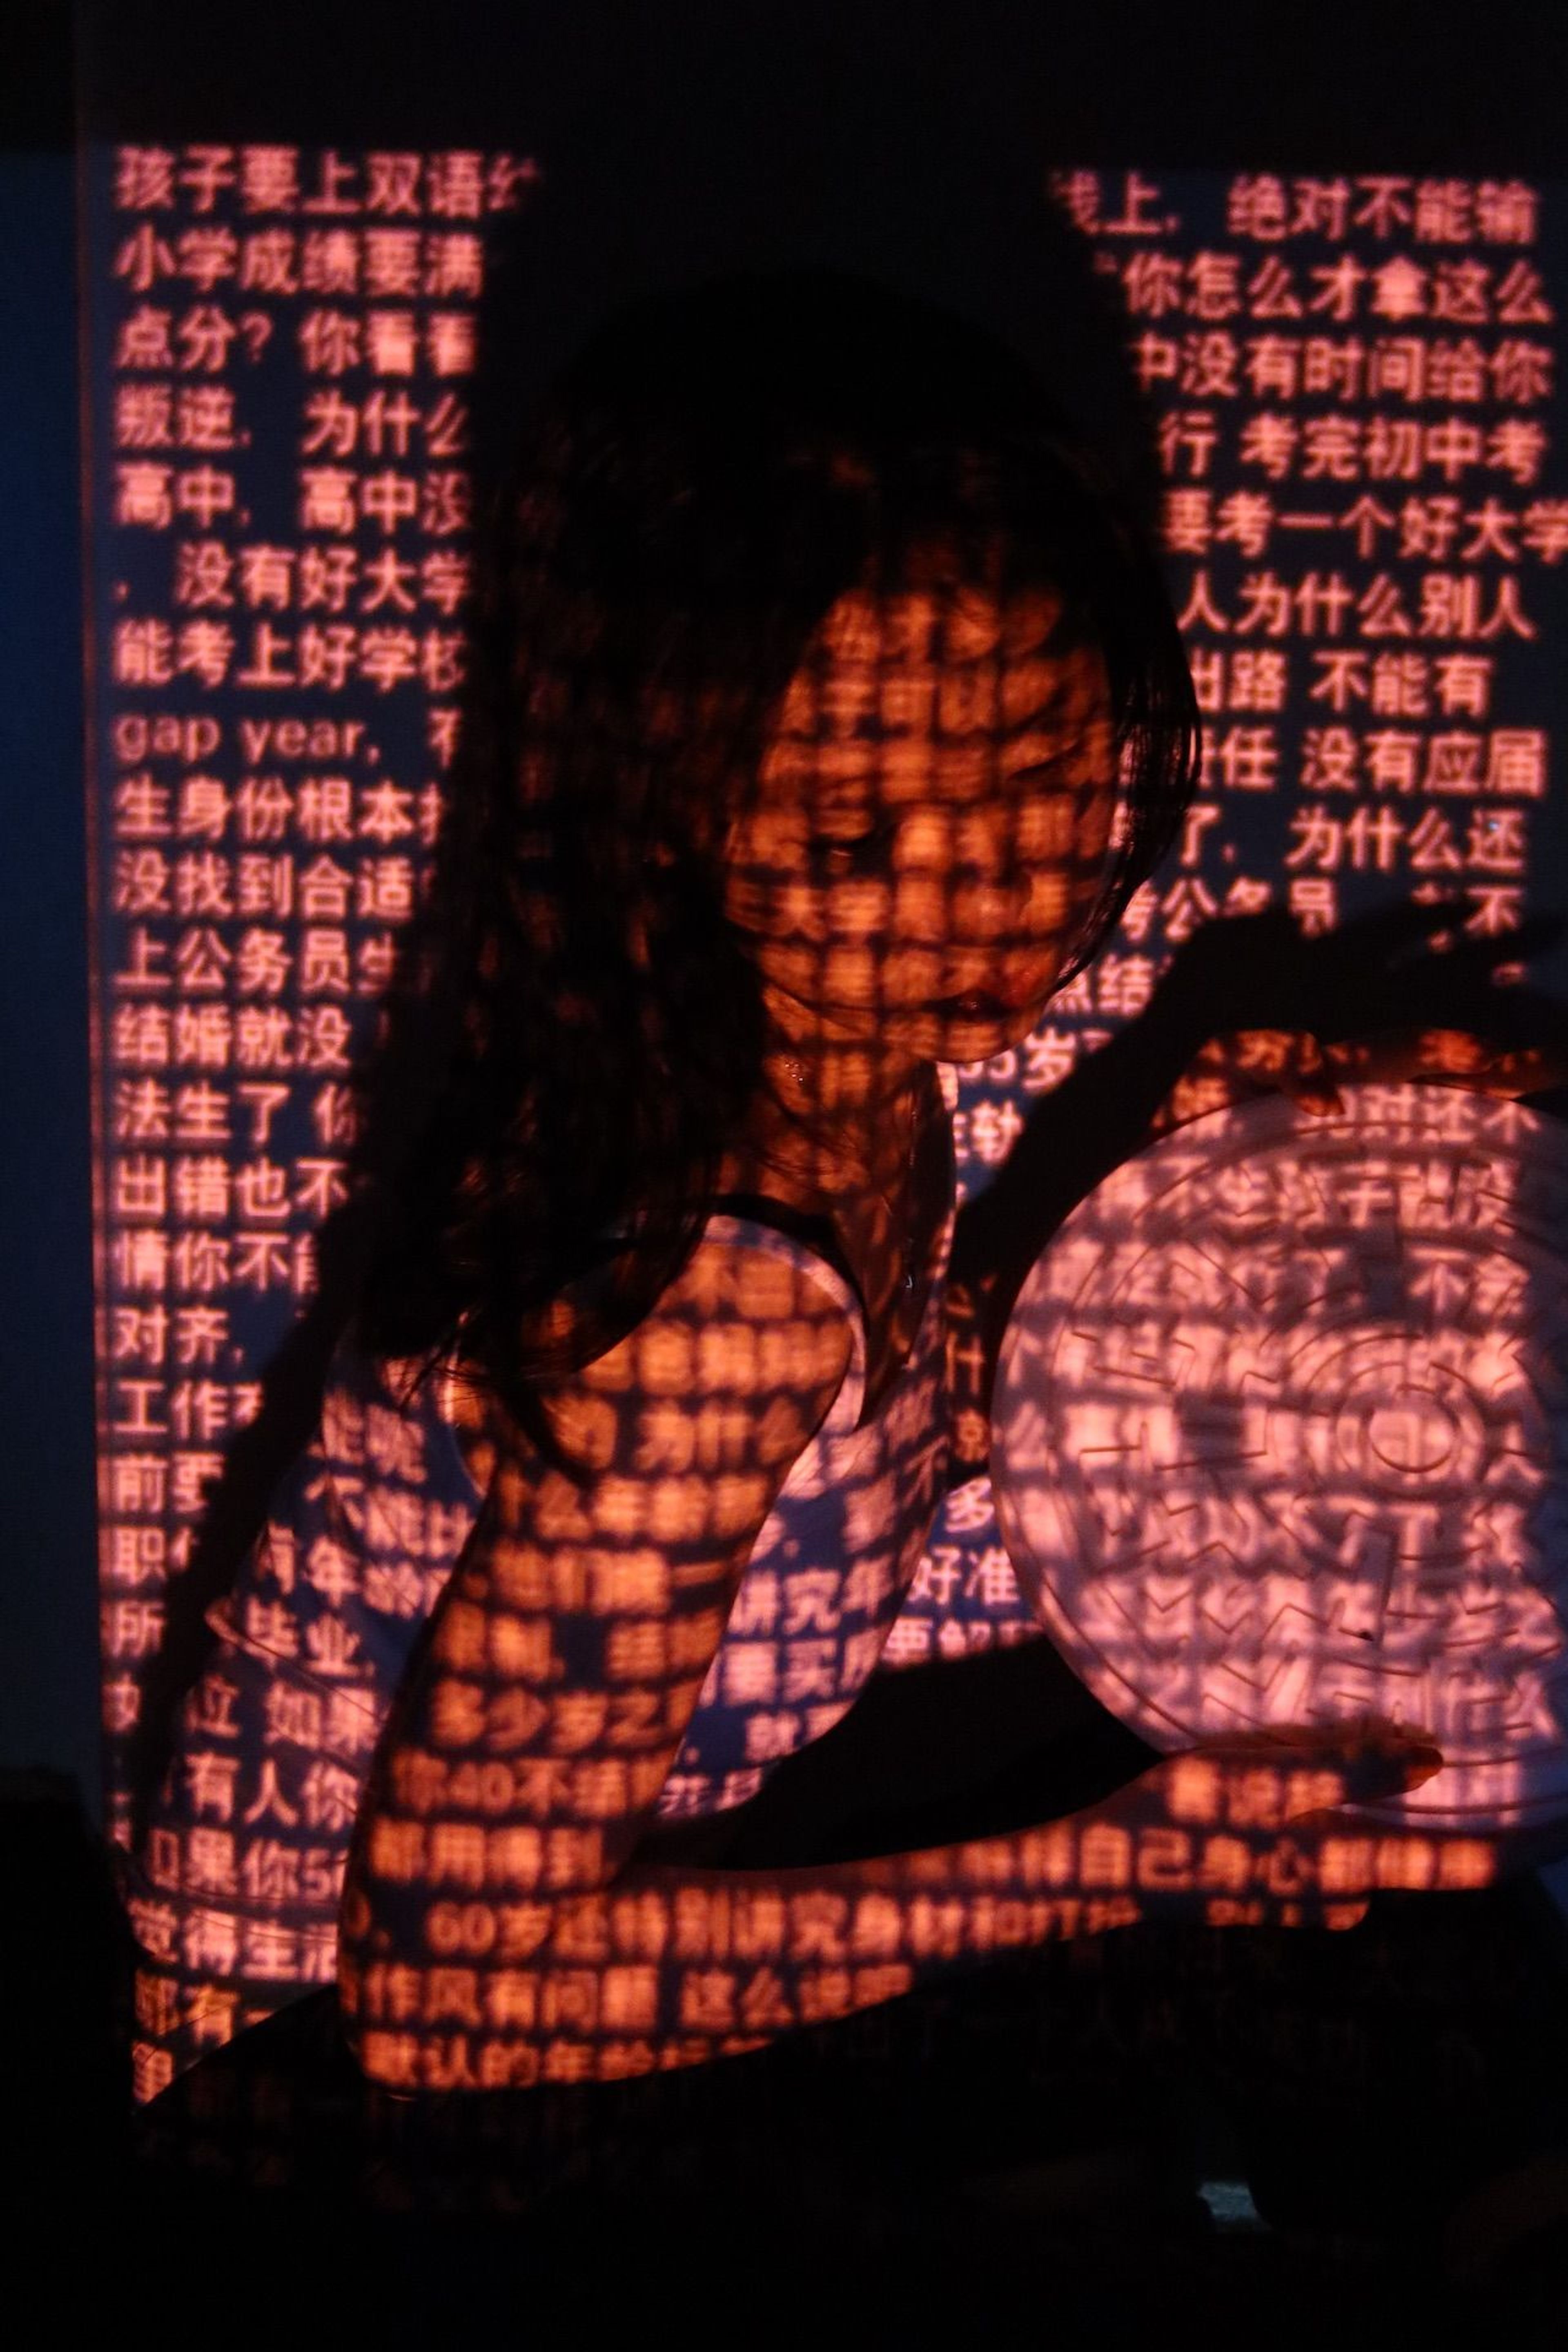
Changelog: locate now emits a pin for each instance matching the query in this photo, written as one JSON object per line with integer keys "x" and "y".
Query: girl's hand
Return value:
{"x": 1267, "y": 1830}
{"x": 1310, "y": 1072}
{"x": 1270, "y": 1829}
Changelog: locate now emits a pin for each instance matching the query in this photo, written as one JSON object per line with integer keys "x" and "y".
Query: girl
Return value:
{"x": 829, "y": 707}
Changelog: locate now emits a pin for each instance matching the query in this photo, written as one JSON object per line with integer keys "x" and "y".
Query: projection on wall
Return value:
{"x": 1343, "y": 1472}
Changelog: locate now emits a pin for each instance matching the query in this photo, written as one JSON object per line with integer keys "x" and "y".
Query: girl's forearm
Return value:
{"x": 675, "y": 1966}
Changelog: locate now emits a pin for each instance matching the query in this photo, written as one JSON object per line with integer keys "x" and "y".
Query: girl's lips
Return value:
{"x": 974, "y": 1005}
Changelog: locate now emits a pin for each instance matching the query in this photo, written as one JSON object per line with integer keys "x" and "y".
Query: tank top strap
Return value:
{"x": 755, "y": 1229}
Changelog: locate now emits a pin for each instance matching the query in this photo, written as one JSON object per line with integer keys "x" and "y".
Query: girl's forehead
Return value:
{"x": 944, "y": 622}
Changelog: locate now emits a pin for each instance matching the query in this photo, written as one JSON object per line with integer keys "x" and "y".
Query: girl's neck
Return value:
{"x": 831, "y": 1106}
{"x": 824, "y": 1130}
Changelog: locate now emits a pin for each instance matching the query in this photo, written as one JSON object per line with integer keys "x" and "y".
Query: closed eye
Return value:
{"x": 839, "y": 856}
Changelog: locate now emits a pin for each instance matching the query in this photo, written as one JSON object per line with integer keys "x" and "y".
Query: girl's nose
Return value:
{"x": 987, "y": 908}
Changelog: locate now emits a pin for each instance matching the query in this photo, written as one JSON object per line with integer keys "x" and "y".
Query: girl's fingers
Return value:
{"x": 1427, "y": 945}
{"x": 1353, "y": 1764}
{"x": 1307, "y": 1078}
{"x": 1407, "y": 924}
{"x": 1444, "y": 1056}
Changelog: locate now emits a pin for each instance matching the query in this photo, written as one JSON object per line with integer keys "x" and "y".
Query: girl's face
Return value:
{"x": 930, "y": 823}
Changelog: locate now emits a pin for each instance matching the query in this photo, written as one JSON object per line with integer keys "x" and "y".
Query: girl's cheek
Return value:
{"x": 771, "y": 902}
{"x": 912, "y": 975}
{"x": 1093, "y": 827}
{"x": 1051, "y": 904}
{"x": 850, "y": 975}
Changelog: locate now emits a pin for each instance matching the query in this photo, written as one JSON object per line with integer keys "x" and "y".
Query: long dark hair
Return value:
{"x": 714, "y": 473}
{"x": 575, "y": 1030}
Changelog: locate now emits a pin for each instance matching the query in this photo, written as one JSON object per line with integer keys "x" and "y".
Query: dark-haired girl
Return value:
{"x": 828, "y": 709}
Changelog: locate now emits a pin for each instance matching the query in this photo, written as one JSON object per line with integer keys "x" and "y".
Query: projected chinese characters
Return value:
{"x": 1278, "y": 1432}
{"x": 1353, "y": 380}
{"x": 282, "y": 344}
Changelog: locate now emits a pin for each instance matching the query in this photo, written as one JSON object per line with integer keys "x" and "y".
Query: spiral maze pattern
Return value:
{"x": 1279, "y": 1432}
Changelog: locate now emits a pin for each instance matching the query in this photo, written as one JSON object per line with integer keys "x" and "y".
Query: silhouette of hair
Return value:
{"x": 575, "y": 1030}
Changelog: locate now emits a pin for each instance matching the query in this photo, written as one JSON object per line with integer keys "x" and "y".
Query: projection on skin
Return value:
{"x": 1277, "y": 1432}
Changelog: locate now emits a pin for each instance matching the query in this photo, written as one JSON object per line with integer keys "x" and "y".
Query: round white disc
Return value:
{"x": 1280, "y": 1436}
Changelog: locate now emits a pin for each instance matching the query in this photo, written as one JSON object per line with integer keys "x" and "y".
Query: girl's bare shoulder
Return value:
{"x": 731, "y": 1373}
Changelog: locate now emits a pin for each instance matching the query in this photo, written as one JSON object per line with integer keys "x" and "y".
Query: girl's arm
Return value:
{"x": 507, "y": 1917}
{"x": 1371, "y": 1001}
{"x": 538, "y": 1720}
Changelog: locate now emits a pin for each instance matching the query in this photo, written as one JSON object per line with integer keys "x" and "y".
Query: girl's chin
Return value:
{"x": 923, "y": 1032}
{"x": 959, "y": 1042}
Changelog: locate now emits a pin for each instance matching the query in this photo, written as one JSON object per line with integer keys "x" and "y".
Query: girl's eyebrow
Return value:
{"x": 1064, "y": 742}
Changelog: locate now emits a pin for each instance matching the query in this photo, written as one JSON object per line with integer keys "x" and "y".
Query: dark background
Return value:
{"x": 907, "y": 139}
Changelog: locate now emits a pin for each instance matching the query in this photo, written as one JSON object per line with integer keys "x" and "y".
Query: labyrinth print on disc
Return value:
{"x": 1279, "y": 1432}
